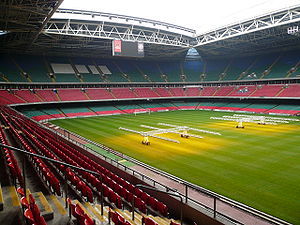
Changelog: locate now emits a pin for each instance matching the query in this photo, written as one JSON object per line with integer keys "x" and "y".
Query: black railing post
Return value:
{"x": 102, "y": 197}
{"x": 66, "y": 191}
{"x": 132, "y": 204}
{"x": 109, "y": 216}
{"x": 70, "y": 213}
{"x": 215, "y": 207}
{"x": 186, "y": 193}
{"x": 24, "y": 177}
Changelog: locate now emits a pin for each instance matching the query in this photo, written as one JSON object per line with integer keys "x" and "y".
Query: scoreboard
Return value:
{"x": 127, "y": 48}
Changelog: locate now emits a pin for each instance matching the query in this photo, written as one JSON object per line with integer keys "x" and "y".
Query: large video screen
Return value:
{"x": 127, "y": 48}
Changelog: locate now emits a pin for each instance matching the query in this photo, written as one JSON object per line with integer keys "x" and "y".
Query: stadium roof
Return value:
{"x": 21, "y": 21}
{"x": 30, "y": 29}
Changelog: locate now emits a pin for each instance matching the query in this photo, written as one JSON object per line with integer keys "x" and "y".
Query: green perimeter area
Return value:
{"x": 258, "y": 166}
{"x": 110, "y": 155}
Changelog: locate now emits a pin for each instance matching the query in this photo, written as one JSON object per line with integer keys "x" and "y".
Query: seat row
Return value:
{"x": 11, "y": 161}
{"x": 31, "y": 211}
{"x": 58, "y": 154}
{"x": 117, "y": 219}
{"x": 41, "y": 168}
{"x": 53, "y": 181}
{"x": 76, "y": 94}
{"x": 148, "y": 221}
{"x": 81, "y": 217}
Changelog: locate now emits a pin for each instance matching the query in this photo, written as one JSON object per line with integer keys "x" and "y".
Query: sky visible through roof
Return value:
{"x": 196, "y": 14}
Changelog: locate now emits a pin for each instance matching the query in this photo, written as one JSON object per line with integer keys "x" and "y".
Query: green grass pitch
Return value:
{"x": 258, "y": 165}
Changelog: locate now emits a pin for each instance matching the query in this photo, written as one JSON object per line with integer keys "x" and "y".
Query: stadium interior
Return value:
{"x": 50, "y": 72}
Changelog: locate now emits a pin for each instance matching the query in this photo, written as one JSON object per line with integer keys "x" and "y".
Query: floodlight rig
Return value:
{"x": 190, "y": 128}
{"x": 176, "y": 130}
{"x": 269, "y": 118}
{"x": 182, "y": 130}
{"x": 262, "y": 120}
{"x": 146, "y": 135}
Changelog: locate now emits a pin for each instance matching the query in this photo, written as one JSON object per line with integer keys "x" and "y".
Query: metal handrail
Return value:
{"x": 54, "y": 161}
{"x": 48, "y": 159}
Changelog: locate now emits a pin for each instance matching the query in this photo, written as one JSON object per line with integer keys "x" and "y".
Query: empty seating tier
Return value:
{"x": 57, "y": 95}
{"x": 44, "y": 142}
{"x": 25, "y": 68}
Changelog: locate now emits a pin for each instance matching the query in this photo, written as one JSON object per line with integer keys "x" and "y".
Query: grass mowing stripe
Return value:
{"x": 256, "y": 165}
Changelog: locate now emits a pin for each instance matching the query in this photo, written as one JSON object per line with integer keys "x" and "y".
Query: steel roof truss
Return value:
{"x": 116, "y": 31}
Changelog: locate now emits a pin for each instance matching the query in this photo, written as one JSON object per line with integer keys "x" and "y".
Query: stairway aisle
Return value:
{"x": 12, "y": 212}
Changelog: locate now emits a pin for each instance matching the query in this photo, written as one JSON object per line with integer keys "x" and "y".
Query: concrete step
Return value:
{"x": 95, "y": 213}
{"x": 105, "y": 211}
{"x": 44, "y": 206}
{"x": 158, "y": 220}
{"x": 128, "y": 216}
{"x": 57, "y": 204}
{"x": 61, "y": 215}
{"x": 11, "y": 197}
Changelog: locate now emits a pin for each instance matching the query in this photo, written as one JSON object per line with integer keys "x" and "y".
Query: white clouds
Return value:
{"x": 196, "y": 14}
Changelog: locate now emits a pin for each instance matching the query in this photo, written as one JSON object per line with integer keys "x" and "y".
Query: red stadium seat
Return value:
{"x": 129, "y": 196}
{"x": 152, "y": 202}
{"x": 24, "y": 202}
{"x": 138, "y": 192}
{"x": 88, "y": 221}
{"x": 140, "y": 204}
{"x": 148, "y": 221}
{"x": 35, "y": 210}
{"x": 31, "y": 199}
{"x": 41, "y": 221}
{"x": 29, "y": 216}
{"x": 162, "y": 208}
{"x": 79, "y": 214}
{"x": 145, "y": 197}
{"x": 20, "y": 191}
